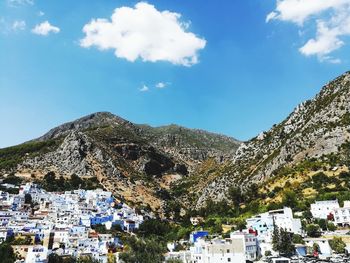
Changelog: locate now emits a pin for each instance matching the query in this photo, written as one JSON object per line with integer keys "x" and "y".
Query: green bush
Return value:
{"x": 337, "y": 244}
{"x": 313, "y": 230}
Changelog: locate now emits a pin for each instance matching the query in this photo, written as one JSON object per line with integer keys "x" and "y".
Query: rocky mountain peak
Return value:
{"x": 94, "y": 120}
{"x": 315, "y": 128}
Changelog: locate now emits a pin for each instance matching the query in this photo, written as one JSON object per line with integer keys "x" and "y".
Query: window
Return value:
{"x": 229, "y": 260}
{"x": 228, "y": 251}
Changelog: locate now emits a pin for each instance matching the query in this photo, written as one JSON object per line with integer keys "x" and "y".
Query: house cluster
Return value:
{"x": 239, "y": 247}
{"x": 256, "y": 240}
{"x": 332, "y": 210}
{"x": 40, "y": 222}
{"x": 263, "y": 225}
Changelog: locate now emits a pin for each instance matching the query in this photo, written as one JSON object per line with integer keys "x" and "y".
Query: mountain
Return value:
{"x": 171, "y": 169}
{"x": 315, "y": 130}
{"x": 136, "y": 162}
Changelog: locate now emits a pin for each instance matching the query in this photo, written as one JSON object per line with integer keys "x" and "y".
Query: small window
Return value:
{"x": 228, "y": 251}
{"x": 229, "y": 260}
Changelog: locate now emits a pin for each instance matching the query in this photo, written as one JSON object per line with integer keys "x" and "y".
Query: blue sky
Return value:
{"x": 232, "y": 67}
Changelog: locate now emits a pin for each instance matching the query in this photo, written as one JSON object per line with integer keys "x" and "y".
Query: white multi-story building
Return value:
{"x": 284, "y": 219}
{"x": 263, "y": 223}
{"x": 219, "y": 250}
{"x": 250, "y": 243}
{"x": 321, "y": 209}
{"x": 36, "y": 254}
{"x": 342, "y": 215}
{"x": 263, "y": 226}
{"x": 323, "y": 244}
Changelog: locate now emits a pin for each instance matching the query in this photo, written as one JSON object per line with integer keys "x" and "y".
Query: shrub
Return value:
{"x": 337, "y": 244}
{"x": 313, "y": 230}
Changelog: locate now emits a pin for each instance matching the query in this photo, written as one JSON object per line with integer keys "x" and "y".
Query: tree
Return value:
{"x": 154, "y": 227}
{"x": 144, "y": 251}
{"x": 111, "y": 258}
{"x": 235, "y": 195}
{"x": 50, "y": 182}
{"x": 313, "y": 230}
{"x": 275, "y": 238}
{"x": 286, "y": 245}
{"x": 7, "y": 255}
{"x": 289, "y": 199}
{"x": 298, "y": 239}
{"x": 282, "y": 241}
{"x": 323, "y": 224}
{"x": 76, "y": 181}
{"x": 337, "y": 244}
{"x": 61, "y": 183}
{"x": 240, "y": 225}
{"x": 319, "y": 179}
{"x": 331, "y": 226}
{"x": 174, "y": 260}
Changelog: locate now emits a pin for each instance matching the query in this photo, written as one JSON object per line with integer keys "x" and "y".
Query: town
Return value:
{"x": 41, "y": 225}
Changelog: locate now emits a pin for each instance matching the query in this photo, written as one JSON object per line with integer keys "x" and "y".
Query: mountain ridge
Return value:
{"x": 136, "y": 162}
{"x": 316, "y": 127}
{"x": 173, "y": 166}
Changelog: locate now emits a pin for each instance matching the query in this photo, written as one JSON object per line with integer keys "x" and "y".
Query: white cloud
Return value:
{"x": 45, "y": 28}
{"x": 162, "y": 85}
{"x": 41, "y": 13}
{"x": 17, "y": 3}
{"x": 144, "y": 88}
{"x": 298, "y": 11}
{"x": 146, "y": 33}
{"x": 326, "y": 41}
{"x": 19, "y": 25}
{"x": 332, "y": 19}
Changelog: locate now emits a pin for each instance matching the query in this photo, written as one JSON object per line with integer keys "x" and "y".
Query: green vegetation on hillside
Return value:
{"x": 52, "y": 184}
{"x": 174, "y": 135}
{"x": 11, "y": 156}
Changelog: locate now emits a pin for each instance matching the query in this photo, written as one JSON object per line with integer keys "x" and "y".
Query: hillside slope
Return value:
{"x": 137, "y": 162}
{"x": 316, "y": 128}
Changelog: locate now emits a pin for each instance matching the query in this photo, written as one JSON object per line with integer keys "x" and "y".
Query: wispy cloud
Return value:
{"x": 45, "y": 28}
{"x": 144, "y": 88}
{"x": 332, "y": 20}
{"x": 162, "y": 85}
{"x": 17, "y": 3}
{"x": 19, "y": 25}
{"x": 146, "y": 33}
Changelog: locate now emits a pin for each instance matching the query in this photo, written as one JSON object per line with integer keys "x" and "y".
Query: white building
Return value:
{"x": 284, "y": 219}
{"x": 3, "y": 235}
{"x": 250, "y": 243}
{"x": 342, "y": 215}
{"x": 219, "y": 250}
{"x": 323, "y": 244}
{"x": 36, "y": 254}
{"x": 263, "y": 223}
{"x": 321, "y": 209}
{"x": 263, "y": 226}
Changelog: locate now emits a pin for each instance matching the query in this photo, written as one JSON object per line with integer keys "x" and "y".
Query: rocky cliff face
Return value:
{"x": 315, "y": 128}
{"x": 155, "y": 167}
{"x": 136, "y": 162}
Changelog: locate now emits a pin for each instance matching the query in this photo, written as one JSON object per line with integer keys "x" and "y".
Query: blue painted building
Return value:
{"x": 198, "y": 234}
{"x": 99, "y": 219}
